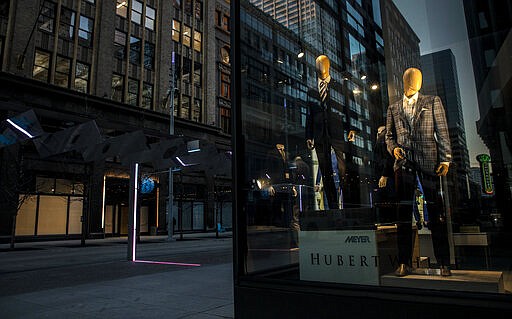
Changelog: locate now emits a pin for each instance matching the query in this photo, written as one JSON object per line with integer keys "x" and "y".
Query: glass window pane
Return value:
{"x": 120, "y": 44}
{"x": 117, "y": 87}
{"x": 46, "y": 20}
{"x": 197, "y": 41}
{"x": 67, "y": 24}
{"x": 52, "y": 215}
{"x": 176, "y": 29}
{"x": 82, "y": 77}
{"x": 75, "y": 213}
{"x": 137, "y": 12}
{"x": 366, "y": 130}
{"x": 85, "y": 30}
{"x": 133, "y": 92}
{"x": 135, "y": 50}
{"x": 149, "y": 55}
{"x": 147, "y": 96}
{"x": 150, "y": 18}
{"x": 186, "y": 35}
{"x": 62, "y": 71}
{"x": 41, "y": 68}
{"x": 122, "y": 8}
{"x": 26, "y": 218}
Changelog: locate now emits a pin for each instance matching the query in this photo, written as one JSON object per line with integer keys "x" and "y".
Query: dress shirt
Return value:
{"x": 409, "y": 103}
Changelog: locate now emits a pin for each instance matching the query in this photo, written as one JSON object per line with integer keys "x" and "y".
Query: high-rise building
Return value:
{"x": 489, "y": 24}
{"x": 440, "y": 78}
{"x": 401, "y": 47}
{"x": 74, "y": 61}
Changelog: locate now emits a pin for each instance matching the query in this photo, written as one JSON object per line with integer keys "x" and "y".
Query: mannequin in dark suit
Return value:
{"x": 324, "y": 129}
{"x": 417, "y": 136}
{"x": 277, "y": 180}
{"x": 384, "y": 179}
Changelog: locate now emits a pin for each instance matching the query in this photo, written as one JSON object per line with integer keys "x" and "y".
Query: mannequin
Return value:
{"x": 324, "y": 129}
{"x": 275, "y": 179}
{"x": 384, "y": 189}
{"x": 417, "y": 137}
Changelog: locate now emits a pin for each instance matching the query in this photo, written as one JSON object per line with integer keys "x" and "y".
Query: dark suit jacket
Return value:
{"x": 320, "y": 120}
{"x": 276, "y": 168}
{"x": 383, "y": 160}
{"x": 427, "y": 141}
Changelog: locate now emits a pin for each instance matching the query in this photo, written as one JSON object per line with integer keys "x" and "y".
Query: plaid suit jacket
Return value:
{"x": 426, "y": 140}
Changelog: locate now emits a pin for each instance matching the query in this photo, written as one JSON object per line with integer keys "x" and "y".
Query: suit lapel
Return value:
{"x": 401, "y": 113}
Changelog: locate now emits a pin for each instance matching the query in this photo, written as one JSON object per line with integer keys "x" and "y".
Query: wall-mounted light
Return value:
{"x": 374, "y": 86}
{"x": 301, "y": 51}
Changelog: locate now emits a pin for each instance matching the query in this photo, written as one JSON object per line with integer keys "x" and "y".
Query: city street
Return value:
{"x": 61, "y": 279}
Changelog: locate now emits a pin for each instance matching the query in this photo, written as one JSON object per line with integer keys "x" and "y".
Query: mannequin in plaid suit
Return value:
{"x": 417, "y": 136}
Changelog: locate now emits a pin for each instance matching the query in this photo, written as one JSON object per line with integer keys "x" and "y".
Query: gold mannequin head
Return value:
{"x": 322, "y": 66}
{"x": 412, "y": 81}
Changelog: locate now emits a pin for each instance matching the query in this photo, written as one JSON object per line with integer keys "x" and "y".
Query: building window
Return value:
{"x": 226, "y": 26}
{"x": 197, "y": 40}
{"x": 225, "y": 86}
{"x": 41, "y": 70}
{"x": 47, "y": 17}
{"x": 150, "y": 18}
{"x": 147, "y": 96}
{"x": 176, "y": 4}
{"x": 62, "y": 71}
{"x": 218, "y": 18}
{"x": 196, "y": 111}
{"x": 188, "y": 7}
{"x": 185, "y": 107}
{"x": 176, "y": 26}
{"x": 82, "y": 72}
{"x": 85, "y": 30}
{"x": 133, "y": 92}
{"x": 198, "y": 10}
{"x": 197, "y": 74}
{"x": 119, "y": 44}
{"x": 225, "y": 119}
{"x": 186, "y": 35}
{"x": 121, "y": 8}
{"x": 67, "y": 24}
{"x": 135, "y": 50}
{"x": 137, "y": 12}
{"x": 117, "y": 87}
{"x": 149, "y": 55}
{"x": 187, "y": 69}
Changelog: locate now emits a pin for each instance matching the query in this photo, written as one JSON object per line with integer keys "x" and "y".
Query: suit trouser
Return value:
{"x": 406, "y": 185}
{"x": 323, "y": 152}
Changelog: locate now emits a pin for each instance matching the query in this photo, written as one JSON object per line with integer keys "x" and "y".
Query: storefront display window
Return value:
{"x": 387, "y": 166}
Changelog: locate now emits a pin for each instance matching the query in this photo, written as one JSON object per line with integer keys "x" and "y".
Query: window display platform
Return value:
{"x": 460, "y": 280}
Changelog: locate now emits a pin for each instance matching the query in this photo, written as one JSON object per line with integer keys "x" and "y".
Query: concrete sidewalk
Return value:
{"x": 100, "y": 284}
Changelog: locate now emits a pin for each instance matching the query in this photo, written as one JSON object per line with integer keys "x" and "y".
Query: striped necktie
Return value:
{"x": 323, "y": 90}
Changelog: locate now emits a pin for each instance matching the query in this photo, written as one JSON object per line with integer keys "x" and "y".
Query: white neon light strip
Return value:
{"x": 134, "y": 238}
{"x": 167, "y": 263}
{"x": 183, "y": 163}
{"x": 19, "y": 128}
{"x": 103, "y": 207}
